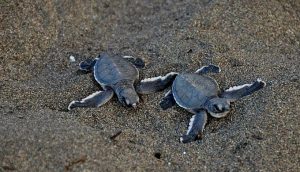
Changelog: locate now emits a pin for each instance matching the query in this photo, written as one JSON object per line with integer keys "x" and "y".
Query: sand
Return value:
{"x": 247, "y": 39}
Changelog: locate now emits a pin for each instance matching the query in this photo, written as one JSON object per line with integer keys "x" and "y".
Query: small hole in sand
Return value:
{"x": 157, "y": 155}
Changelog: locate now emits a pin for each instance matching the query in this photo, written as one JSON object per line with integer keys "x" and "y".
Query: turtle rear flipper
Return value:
{"x": 87, "y": 65}
{"x": 137, "y": 62}
{"x": 152, "y": 85}
{"x": 196, "y": 127}
{"x": 168, "y": 101}
{"x": 208, "y": 69}
{"x": 237, "y": 92}
{"x": 94, "y": 100}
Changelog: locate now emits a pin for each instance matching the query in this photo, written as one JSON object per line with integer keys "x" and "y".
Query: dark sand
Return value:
{"x": 248, "y": 39}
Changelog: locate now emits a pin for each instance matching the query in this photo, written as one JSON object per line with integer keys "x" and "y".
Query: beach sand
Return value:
{"x": 247, "y": 39}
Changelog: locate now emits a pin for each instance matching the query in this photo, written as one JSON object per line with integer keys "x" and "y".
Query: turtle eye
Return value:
{"x": 218, "y": 108}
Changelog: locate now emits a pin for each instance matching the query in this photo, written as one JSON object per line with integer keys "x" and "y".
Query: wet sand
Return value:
{"x": 247, "y": 39}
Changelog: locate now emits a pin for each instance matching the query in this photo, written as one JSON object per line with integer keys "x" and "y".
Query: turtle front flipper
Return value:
{"x": 151, "y": 85}
{"x": 237, "y": 92}
{"x": 94, "y": 100}
{"x": 196, "y": 127}
{"x": 87, "y": 65}
{"x": 137, "y": 62}
{"x": 168, "y": 101}
{"x": 208, "y": 69}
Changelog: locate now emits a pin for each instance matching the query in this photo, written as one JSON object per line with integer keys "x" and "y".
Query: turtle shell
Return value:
{"x": 191, "y": 91}
{"x": 109, "y": 70}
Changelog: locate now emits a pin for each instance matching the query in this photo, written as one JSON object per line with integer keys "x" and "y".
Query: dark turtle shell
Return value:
{"x": 109, "y": 70}
{"x": 191, "y": 91}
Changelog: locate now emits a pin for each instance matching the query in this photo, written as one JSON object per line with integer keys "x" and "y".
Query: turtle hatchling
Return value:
{"x": 199, "y": 94}
{"x": 116, "y": 74}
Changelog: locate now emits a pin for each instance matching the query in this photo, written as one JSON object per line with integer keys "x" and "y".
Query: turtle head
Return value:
{"x": 218, "y": 107}
{"x": 128, "y": 97}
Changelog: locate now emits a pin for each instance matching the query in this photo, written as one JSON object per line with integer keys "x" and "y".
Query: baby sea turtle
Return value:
{"x": 200, "y": 94}
{"x": 116, "y": 74}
